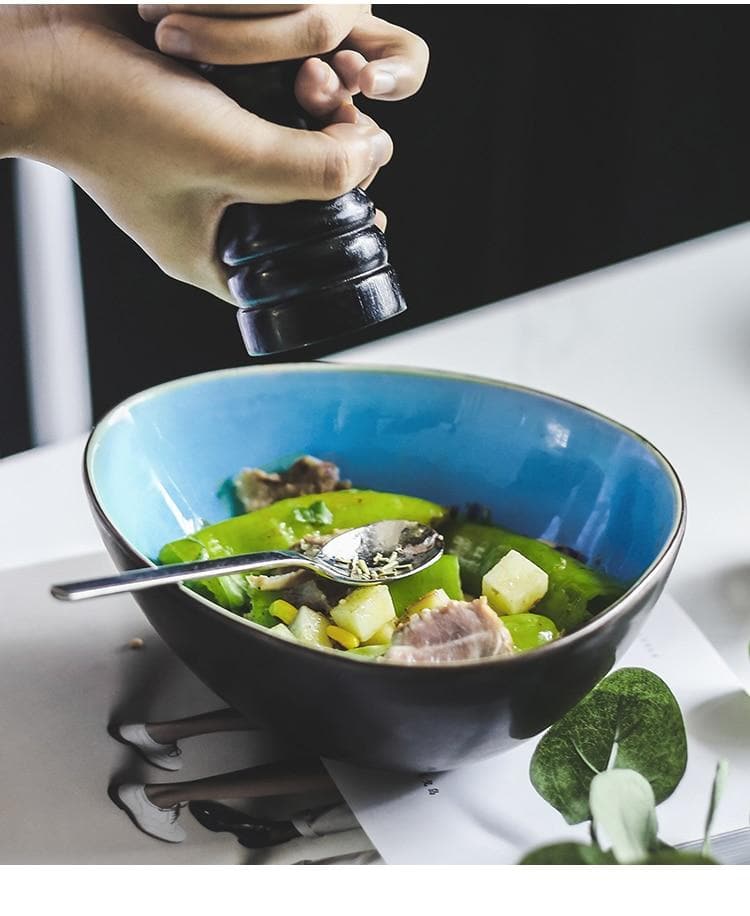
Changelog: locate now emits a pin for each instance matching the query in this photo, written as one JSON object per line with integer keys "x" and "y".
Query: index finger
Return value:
{"x": 156, "y": 12}
{"x": 397, "y": 59}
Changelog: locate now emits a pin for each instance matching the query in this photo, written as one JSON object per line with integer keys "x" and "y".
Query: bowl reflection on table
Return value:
{"x": 154, "y": 469}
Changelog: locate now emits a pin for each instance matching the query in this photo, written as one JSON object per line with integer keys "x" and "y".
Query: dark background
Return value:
{"x": 547, "y": 141}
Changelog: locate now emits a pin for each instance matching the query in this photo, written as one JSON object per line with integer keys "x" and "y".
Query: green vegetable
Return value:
{"x": 623, "y": 809}
{"x": 227, "y": 494}
{"x": 316, "y": 514}
{"x": 278, "y": 527}
{"x": 575, "y": 592}
{"x": 367, "y": 651}
{"x": 529, "y": 631}
{"x": 260, "y": 606}
{"x": 568, "y": 854}
{"x": 443, "y": 574}
{"x": 231, "y": 592}
{"x": 630, "y": 720}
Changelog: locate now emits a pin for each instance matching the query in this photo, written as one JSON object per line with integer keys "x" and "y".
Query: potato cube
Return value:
{"x": 515, "y": 584}
{"x": 282, "y": 630}
{"x": 309, "y": 627}
{"x": 433, "y": 600}
{"x": 384, "y": 635}
{"x": 364, "y": 611}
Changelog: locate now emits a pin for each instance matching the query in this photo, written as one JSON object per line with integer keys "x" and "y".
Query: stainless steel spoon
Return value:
{"x": 370, "y": 555}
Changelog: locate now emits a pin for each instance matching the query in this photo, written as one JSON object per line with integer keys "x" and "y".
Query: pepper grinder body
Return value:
{"x": 303, "y": 272}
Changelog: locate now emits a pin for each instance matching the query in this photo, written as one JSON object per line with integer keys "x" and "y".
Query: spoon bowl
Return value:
{"x": 386, "y": 550}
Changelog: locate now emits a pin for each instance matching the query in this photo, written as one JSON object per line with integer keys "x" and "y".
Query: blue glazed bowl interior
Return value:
{"x": 547, "y": 468}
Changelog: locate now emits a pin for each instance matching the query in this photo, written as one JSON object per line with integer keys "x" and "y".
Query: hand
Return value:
{"x": 159, "y": 148}
{"x": 364, "y": 54}
{"x": 367, "y": 55}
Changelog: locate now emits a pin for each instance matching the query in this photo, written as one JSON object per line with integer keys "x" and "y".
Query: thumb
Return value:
{"x": 294, "y": 164}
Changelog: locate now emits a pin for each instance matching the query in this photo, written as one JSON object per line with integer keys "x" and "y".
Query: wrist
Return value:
{"x": 26, "y": 66}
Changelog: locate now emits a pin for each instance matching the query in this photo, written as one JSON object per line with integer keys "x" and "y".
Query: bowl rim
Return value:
{"x": 607, "y": 617}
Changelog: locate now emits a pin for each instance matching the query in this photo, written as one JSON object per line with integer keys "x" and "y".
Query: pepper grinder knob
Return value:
{"x": 306, "y": 271}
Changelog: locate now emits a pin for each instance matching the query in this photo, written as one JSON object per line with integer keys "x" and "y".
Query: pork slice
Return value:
{"x": 256, "y": 488}
{"x": 307, "y": 591}
{"x": 277, "y": 583}
{"x": 458, "y": 631}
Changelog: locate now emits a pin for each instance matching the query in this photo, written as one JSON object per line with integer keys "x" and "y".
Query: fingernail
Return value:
{"x": 152, "y": 12}
{"x": 383, "y": 83}
{"x": 175, "y": 41}
{"x": 381, "y": 148}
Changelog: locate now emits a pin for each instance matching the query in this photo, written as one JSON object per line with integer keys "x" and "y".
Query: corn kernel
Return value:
{"x": 342, "y": 637}
{"x": 285, "y": 611}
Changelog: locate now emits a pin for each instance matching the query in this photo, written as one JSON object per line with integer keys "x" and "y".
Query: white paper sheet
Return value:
{"x": 490, "y": 813}
{"x": 66, "y": 671}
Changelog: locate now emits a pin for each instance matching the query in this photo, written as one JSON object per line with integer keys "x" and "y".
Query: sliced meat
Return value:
{"x": 307, "y": 591}
{"x": 312, "y": 475}
{"x": 299, "y": 587}
{"x": 277, "y": 583}
{"x": 256, "y": 488}
{"x": 458, "y": 631}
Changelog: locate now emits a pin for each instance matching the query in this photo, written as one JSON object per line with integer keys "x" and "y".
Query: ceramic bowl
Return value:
{"x": 154, "y": 469}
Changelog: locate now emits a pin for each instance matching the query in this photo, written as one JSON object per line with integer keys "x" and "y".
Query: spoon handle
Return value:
{"x": 136, "y": 579}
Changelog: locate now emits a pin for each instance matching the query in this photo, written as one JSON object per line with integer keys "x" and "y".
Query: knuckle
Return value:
{"x": 323, "y": 34}
{"x": 336, "y": 178}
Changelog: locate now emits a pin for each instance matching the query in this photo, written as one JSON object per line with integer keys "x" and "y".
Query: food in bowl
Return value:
{"x": 543, "y": 466}
{"x": 493, "y": 592}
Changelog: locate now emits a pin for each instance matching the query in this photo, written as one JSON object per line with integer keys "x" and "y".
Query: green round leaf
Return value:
{"x": 568, "y": 854}
{"x": 675, "y": 857}
{"x": 630, "y": 720}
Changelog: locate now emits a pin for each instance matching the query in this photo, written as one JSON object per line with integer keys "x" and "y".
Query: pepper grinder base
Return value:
{"x": 314, "y": 317}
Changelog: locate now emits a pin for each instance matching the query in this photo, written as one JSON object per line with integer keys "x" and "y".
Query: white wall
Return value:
{"x": 52, "y": 304}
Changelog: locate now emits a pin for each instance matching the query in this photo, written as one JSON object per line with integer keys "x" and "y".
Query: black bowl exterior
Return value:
{"x": 416, "y": 719}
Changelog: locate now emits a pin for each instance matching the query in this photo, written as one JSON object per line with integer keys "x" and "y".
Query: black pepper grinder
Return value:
{"x": 306, "y": 271}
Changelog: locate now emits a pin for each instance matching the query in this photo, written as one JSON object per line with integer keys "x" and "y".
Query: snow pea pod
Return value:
{"x": 528, "y": 631}
{"x": 575, "y": 594}
{"x": 443, "y": 574}
{"x": 280, "y": 526}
